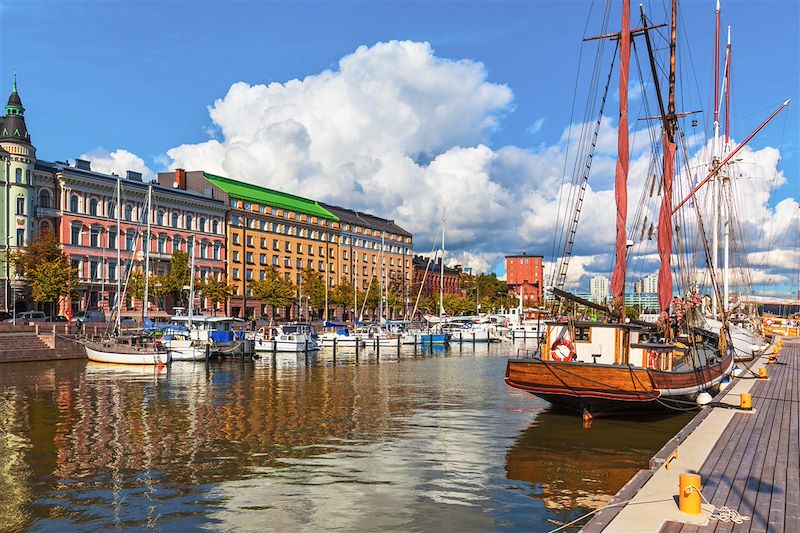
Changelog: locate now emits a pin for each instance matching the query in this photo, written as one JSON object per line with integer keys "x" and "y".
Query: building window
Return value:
{"x": 235, "y": 273}
{"x": 217, "y": 247}
{"x": 248, "y": 257}
{"x": 93, "y": 207}
{"x": 75, "y": 235}
{"x": 175, "y": 218}
{"x": 189, "y": 220}
{"x": 275, "y": 260}
{"x": 262, "y": 275}
{"x": 299, "y": 263}
{"x": 128, "y": 212}
{"x": 73, "y": 203}
{"x": 20, "y": 205}
{"x": 275, "y": 244}
{"x": 129, "y": 236}
{"x": 20, "y": 237}
{"x": 203, "y": 250}
{"x": 176, "y": 244}
{"x": 287, "y": 246}
{"x": 249, "y": 240}
{"x": 202, "y": 224}
{"x": 94, "y": 237}
{"x": 162, "y": 241}
{"x": 18, "y": 175}
{"x": 262, "y": 259}
{"x": 160, "y": 217}
{"x": 235, "y": 238}
{"x": 112, "y": 271}
{"x": 287, "y": 262}
{"x": 235, "y": 257}
{"x": 310, "y": 263}
{"x": 111, "y": 210}
{"x": 249, "y": 273}
{"x": 215, "y": 227}
{"x": 112, "y": 240}
{"x": 248, "y": 206}
{"x": 44, "y": 199}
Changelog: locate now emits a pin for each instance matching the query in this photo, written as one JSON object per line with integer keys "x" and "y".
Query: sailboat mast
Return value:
{"x": 441, "y": 274}
{"x": 665, "y": 212}
{"x": 146, "y": 302}
{"x": 119, "y": 253}
{"x": 716, "y": 190}
{"x": 726, "y": 185}
{"x": 191, "y": 284}
{"x": 621, "y": 173}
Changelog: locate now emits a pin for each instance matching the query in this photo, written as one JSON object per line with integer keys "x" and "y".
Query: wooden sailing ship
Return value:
{"x": 614, "y": 365}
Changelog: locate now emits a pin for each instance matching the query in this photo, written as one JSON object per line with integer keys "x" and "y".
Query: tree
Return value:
{"x": 274, "y": 289}
{"x": 313, "y": 288}
{"x": 136, "y": 285}
{"x": 341, "y": 295}
{"x": 215, "y": 291}
{"x": 178, "y": 277}
{"x": 47, "y": 268}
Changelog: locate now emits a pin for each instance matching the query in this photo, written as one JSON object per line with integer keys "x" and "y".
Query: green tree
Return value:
{"x": 215, "y": 291}
{"x": 136, "y": 285}
{"x": 341, "y": 295}
{"x": 313, "y": 288}
{"x": 173, "y": 283}
{"x": 275, "y": 290}
{"x": 47, "y": 268}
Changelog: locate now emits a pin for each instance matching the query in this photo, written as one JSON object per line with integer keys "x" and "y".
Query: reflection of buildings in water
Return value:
{"x": 576, "y": 467}
{"x": 14, "y": 491}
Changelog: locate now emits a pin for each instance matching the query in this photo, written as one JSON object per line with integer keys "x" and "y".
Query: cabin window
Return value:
{"x": 583, "y": 334}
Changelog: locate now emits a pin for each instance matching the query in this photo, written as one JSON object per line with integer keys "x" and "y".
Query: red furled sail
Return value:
{"x": 623, "y": 155}
{"x": 665, "y": 230}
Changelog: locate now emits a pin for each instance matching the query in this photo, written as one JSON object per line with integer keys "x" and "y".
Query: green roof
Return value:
{"x": 254, "y": 193}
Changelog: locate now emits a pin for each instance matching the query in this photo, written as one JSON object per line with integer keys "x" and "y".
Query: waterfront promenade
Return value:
{"x": 747, "y": 461}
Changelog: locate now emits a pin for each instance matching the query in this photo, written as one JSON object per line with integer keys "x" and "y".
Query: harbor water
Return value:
{"x": 429, "y": 442}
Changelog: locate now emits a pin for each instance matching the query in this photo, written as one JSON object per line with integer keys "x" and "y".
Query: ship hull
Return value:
{"x": 605, "y": 390}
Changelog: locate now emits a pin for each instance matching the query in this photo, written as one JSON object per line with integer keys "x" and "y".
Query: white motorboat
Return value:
{"x": 286, "y": 338}
{"x": 329, "y": 339}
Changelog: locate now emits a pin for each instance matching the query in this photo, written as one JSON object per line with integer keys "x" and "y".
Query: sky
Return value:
{"x": 405, "y": 108}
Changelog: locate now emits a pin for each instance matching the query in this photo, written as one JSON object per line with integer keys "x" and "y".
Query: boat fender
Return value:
{"x": 652, "y": 359}
{"x": 562, "y": 350}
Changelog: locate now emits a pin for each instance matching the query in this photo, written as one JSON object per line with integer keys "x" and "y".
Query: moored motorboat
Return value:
{"x": 286, "y": 338}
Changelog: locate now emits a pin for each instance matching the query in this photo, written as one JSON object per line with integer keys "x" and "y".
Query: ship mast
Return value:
{"x": 716, "y": 190}
{"x": 621, "y": 173}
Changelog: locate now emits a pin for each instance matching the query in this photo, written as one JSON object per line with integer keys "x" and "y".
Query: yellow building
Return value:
{"x": 267, "y": 228}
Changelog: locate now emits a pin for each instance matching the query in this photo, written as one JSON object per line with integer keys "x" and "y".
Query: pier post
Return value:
{"x": 416, "y": 340}
{"x": 398, "y": 346}
{"x": 334, "y": 350}
{"x": 306, "y": 351}
{"x": 689, "y": 498}
{"x": 358, "y": 345}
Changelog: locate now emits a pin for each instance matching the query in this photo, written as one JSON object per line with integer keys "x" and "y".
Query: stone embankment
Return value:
{"x": 41, "y": 342}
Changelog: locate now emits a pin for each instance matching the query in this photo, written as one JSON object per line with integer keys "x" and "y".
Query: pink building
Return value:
{"x": 81, "y": 207}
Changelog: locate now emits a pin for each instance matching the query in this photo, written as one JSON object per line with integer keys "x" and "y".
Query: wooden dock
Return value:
{"x": 753, "y": 466}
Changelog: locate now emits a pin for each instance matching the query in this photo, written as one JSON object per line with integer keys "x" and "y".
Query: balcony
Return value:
{"x": 46, "y": 211}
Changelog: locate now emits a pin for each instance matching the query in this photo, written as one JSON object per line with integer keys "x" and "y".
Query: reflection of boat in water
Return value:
{"x": 99, "y": 369}
{"x": 574, "y": 467}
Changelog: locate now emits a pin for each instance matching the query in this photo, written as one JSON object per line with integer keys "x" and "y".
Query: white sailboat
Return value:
{"x": 126, "y": 349}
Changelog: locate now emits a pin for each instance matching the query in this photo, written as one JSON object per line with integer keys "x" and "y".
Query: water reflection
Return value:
{"x": 433, "y": 442}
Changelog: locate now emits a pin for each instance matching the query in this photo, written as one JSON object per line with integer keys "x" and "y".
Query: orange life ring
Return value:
{"x": 652, "y": 359}
{"x": 557, "y": 353}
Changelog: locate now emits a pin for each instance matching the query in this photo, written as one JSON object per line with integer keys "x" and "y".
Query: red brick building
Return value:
{"x": 525, "y": 276}
{"x": 430, "y": 282}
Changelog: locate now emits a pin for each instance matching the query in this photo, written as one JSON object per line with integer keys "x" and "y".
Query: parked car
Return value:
{"x": 29, "y": 316}
{"x": 60, "y": 318}
{"x": 85, "y": 317}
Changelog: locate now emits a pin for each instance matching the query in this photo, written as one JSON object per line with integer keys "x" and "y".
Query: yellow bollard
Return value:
{"x": 762, "y": 373}
{"x": 745, "y": 401}
{"x": 689, "y": 497}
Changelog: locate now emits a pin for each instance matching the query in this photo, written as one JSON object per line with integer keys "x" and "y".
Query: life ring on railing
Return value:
{"x": 562, "y": 351}
{"x": 652, "y": 359}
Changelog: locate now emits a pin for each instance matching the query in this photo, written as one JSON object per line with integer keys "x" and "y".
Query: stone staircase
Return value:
{"x": 28, "y": 343}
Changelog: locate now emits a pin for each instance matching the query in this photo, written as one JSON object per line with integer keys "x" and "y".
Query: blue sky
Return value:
{"x": 140, "y": 76}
